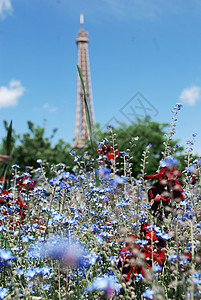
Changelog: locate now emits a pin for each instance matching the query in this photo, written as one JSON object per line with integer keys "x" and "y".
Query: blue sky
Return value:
{"x": 148, "y": 49}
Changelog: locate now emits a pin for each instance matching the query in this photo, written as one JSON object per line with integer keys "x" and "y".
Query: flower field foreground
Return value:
{"x": 129, "y": 238}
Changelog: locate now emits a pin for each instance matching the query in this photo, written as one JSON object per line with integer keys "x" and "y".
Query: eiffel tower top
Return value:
{"x": 81, "y": 126}
{"x": 82, "y": 35}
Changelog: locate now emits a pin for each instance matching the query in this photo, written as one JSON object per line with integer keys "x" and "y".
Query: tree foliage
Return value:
{"x": 34, "y": 145}
{"x": 149, "y": 132}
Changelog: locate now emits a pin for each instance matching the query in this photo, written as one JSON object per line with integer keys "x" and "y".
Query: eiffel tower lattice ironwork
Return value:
{"x": 81, "y": 128}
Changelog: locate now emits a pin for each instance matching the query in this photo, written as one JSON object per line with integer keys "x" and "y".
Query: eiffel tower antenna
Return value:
{"x": 81, "y": 128}
{"x": 82, "y": 21}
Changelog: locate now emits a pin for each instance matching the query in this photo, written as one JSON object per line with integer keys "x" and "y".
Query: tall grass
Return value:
{"x": 124, "y": 238}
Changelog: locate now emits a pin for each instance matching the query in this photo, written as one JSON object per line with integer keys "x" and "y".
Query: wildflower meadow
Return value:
{"x": 98, "y": 233}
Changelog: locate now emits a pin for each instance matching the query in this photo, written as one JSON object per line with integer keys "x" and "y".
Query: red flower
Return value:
{"x": 167, "y": 187}
{"x": 158, "y": 256}
{"x": 128, "y": 263}
{"x": 25, "y": 183}
{"x": 4, "y": 197}
{"x": 128, "y": 269}
{"x": 2, "y": 179}
{"x": 20, "y": 211}
{"x": 149, "y": 234}
{"x": 193, "y": 180}
{"x": 41, "y": 224}
{"x": 165, "y": 173}
{"x": 109, "y": 151}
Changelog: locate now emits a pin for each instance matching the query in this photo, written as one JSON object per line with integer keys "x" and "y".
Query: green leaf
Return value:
{"x": 89, "y": 125}
{"x": 8, "y": 140}
{"x": 4, "y": 242}
{"x": 8, "y": 152}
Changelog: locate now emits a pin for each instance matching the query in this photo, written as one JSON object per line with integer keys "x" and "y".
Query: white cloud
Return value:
{"x": 46, "y": 106}
{"x": 51, "y": 109}
{"x": 5, "y": 8}
{"x": 190, "y": 95}
{"x": 9, "y": 95}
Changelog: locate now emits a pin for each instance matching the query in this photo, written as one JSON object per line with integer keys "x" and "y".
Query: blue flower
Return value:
{"x": 77, "y": 158}
{"x": 196, "y": 278}
{"x": 45, "y": 270}
{"x": 30, "y": 273}
{"x": 149, "y": 293}
{"x": 124, "y": 153}
{"x": 108, "y": 284}
{"x": 138, "y": 277}
{"x": 46, "y": 287}
{"x": 66, "y": 249}
{"x": 141, "y": 242}
{"x": 72, "y": 153}
{"x": 169, "y": 161}
{"x": 163, "y": 235}
{"x": 197, "y": 160}
{"x": 104, "y": 172}
{"x": 19, "y": 271}
{"x": 118, "y": 180}
{"x": 60, "y": 167}
{"x": 93, "y": 258}
{"x": 2, "y": 228}
{"x": 188, "y": 215}
{"x": 27, "y": 238}
{"x": 99, "y": 239}
{"x": 135, "y": 138}
{"x": 178, "y": 106}
{"x": 3, "y": 292}
{"x": 191, "y": 169}
{"x": 15, "y": 167}
{"x": 149, "y": 146}
{"x": 157, "y": 268}
{"x": 40, "y": 161}
{"x": 114, "y": 259}
{"x": 6, "y": 255}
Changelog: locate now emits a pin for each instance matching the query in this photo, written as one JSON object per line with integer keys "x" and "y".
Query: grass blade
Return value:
{"x": 8, "y": 152}
{"x": 89, "y": 125}
{"x": 9, "y": 140}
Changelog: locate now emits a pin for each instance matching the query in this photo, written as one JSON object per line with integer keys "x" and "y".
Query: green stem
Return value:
{"x": 89, "y": 126}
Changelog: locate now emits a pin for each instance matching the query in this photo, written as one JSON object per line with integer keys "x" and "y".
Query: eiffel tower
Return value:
{"x": 81, "y": 128}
